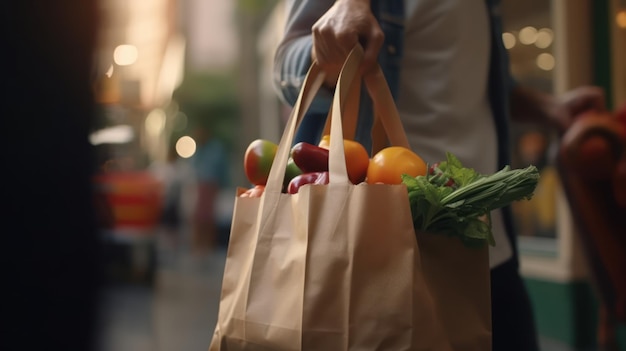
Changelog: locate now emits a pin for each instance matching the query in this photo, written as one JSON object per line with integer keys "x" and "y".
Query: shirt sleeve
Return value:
{"x": 293, "y": 55}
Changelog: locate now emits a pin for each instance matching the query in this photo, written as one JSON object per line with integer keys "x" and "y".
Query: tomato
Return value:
{"x": 357, "y": 158}
{"x": 388, "y": 165}
{"x": 258, "y": 159}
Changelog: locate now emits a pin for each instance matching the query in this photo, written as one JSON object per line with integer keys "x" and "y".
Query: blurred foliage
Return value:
{"x": 256, "y": 6}
{"x": 209, "y": 100}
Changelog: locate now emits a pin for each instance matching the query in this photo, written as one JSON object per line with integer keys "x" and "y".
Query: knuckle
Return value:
{"x": 346, "y": 37}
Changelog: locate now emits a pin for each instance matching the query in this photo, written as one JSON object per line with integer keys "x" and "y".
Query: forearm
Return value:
{"x": 555, "y": 111}
{"x": 293, "y": 55}
{"x": 324, "y": 31}
{"x": 530, "y": 106}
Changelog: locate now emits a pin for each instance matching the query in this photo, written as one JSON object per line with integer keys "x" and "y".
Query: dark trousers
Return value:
{"x": 512, "y": 314}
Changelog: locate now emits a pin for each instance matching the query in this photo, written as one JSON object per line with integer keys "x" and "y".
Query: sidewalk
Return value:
{"x": 177, "y": 314}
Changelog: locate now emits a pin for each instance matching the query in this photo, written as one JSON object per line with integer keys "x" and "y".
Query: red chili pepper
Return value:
{"x": 310, "y": 158}
{"x": 434, "y": 168}
{"x": 307, "y": 178}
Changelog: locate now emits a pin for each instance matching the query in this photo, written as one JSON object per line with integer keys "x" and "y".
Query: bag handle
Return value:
{"x": 312, "y": 83}
{"x": 385, "y": 110}
{"x": 350, "y": 113}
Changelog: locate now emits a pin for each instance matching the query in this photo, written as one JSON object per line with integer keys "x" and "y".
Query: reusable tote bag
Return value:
{"x": 333, "y": 267}
{"x": 458, "y": 277}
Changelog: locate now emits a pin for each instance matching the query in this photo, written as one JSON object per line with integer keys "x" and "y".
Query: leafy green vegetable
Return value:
{"x": 457, "y": 201}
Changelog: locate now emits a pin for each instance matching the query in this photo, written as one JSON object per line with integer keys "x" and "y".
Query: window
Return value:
{"x": 529, "y": 36}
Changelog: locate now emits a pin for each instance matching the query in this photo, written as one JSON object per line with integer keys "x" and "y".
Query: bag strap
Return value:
{"x": 385, "y": 110}
{"x": 312, "y": 84}
{"x": 345, "y": 101}
{"x": 350, "y": 113}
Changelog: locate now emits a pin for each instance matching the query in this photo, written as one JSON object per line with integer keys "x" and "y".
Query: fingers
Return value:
{"x": 331, "y": 46}
{"x": 336, "y": 33}
{"x": 331, "y": 50}
{"x": 372, "y": 46}
{"x": 586, "y": 98}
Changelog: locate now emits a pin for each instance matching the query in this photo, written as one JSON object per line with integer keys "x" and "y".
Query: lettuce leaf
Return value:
{"x": 462, "y": 207}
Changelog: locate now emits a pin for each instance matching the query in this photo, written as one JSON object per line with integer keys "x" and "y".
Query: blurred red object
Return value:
{"x": 592, "y": 165}
{"x": 134, "y": 198}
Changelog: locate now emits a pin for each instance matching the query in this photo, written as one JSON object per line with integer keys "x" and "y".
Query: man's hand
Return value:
{"x": 555, "y": 111}
{"x": 345, "y": 24}
{"x": 575, "y": 102}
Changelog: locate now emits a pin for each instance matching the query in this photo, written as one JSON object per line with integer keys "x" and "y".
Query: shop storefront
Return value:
{"x": 556, "y": 46}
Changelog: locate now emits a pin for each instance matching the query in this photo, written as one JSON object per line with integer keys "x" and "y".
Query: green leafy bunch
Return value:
{"x": 457, "y": 201}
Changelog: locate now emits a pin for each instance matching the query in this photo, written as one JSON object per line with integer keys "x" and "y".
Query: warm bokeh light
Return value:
{"x": 155, "y": 122}
{"x": 109, "y": 72}
{"x": 125, "y": 55}
{"x": 544, "y": 38}
{"x": 545, "y": 61}
{"x": 620, "y": 19}
{"x": 528, "y": 35}
{"x": 509, "y": 40}
{"x": 120, "y": 134}
{"x": 185, "y": 147}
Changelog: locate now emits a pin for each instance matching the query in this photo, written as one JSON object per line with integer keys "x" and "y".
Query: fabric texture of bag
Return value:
{"x": 339, "y": 266}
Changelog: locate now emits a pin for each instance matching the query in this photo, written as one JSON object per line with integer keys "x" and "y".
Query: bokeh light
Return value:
{"x": 509, "y": 40}
{"x": 185, "y": 146}
{"x": 119, "y": 134}
{"x": 544, "y": 38}
{"x": 528, "y": 35}
{"x": 109, "y": 72}
{"x": 620, "y": 19}
{"x": 125, "y": 55}
{"x": 545, "y": 61}
{"x": 155, "y": 122}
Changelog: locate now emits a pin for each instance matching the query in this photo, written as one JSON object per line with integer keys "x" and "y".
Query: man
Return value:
{"x": 453, "y": 95}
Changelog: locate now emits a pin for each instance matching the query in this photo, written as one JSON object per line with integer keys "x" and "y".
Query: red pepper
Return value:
{"x": 438, "y": 177}
{"x": 310, "y": 158}
{"x": 307, "y": 178}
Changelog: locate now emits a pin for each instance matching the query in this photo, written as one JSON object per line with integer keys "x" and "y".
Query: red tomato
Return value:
{"x": 258, "y": 159}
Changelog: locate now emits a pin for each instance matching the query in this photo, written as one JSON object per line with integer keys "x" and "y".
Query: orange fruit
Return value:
{"x": 388, "y": 165}
{"x": 357, "y": 158}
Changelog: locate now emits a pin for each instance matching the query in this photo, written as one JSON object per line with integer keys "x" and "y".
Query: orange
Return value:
{"x": 388, "y": 165}
{"x": 357, "y": 158}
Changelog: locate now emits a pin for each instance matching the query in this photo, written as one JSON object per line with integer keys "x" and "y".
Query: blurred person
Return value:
{"x": 210, "y": 165}
{"x": 171, "y": 177}
{"x": 50, "y": 262}
{"x": 448, "y": 71}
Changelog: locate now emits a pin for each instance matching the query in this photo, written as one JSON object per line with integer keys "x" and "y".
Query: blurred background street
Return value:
{"x": 178, "y": 313}
{"x": 124, "y": 128}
